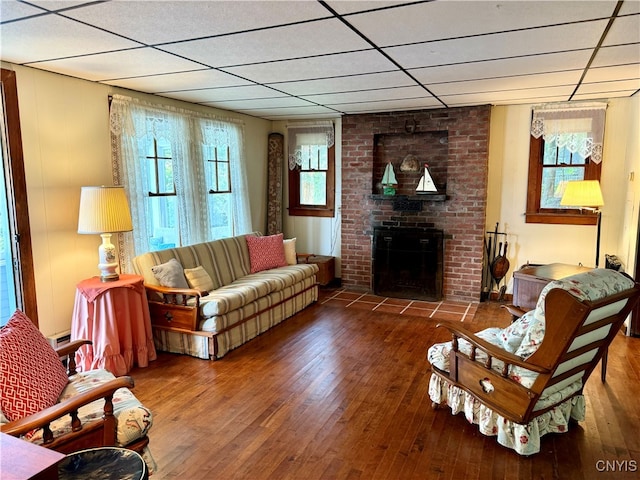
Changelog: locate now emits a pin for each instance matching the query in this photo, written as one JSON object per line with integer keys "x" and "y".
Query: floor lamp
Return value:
{"x": 585, "y": 194}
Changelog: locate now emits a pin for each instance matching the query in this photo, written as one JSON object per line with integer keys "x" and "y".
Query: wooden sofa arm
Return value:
{"x": 68, "y": 407}
{"x": 489, "y": 348}
{"x": 190, "y": 292}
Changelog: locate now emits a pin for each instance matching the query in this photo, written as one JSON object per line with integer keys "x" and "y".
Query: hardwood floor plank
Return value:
{"x": 342, "y": 393}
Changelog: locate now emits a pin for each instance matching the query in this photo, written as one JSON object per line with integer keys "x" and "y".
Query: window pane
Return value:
{"x": 8, "y": 299}
{"x": 554, "y": 182}
{"x": 223, "y": 177}
{"x": 162, "y": 223}
{"x": 313, "y": 189}
{"x": 220, "y": 215}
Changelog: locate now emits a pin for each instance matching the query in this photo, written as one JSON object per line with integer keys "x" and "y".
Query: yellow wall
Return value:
{"x": 65, "y": 136}
{"x": 573, "y": 244}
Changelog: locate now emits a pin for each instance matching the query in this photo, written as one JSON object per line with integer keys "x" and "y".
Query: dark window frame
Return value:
{"x": 296, "y": 208}
{"x": 569, "y": 216}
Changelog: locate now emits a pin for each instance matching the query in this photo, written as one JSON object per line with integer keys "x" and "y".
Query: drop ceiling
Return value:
{"x": 323, "y": 59}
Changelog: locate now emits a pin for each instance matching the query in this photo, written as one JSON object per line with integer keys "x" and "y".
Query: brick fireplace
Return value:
{"x": 454, "y": 142}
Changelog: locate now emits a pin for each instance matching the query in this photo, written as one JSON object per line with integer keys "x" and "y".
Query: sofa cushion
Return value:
{"x": 198, "y": 278}
{"x": 170, "y": 274}
{"x": 31, "y": 373}
{"x": 266, "y": 252}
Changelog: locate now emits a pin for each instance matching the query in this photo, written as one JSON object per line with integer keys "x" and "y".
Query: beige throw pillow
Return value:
{"x": 290, "y": 251}
{"x": 198, "y": 278}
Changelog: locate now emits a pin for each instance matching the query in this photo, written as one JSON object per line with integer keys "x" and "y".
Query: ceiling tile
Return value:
{"x": 322, "y": 67}
{"x": 389, "y": 105}
{"x": 12, "y": 10}
{"x": 194, "y": 80}
{"x": 294, "y": 41}
{"x": 129, "y": 63}
{"x": 602, "y": 74}
{"x": 450, "y": 19}
{"x": 607, "y": 88}
{"x": 346, "y": 84}
{"x": 182, "y": 20}
{"x": 499, "y": 45}
{"x": 255, "y": 103}
{"x": 507, "y": 67}
{"x": 368, "y": 95}
{"x": 609, "y": 56}
{"x": 27, "y": 41}
{"x": 624, "y": 30}
{"x": 507, "y": 83}
{"x": 248, "y": 92}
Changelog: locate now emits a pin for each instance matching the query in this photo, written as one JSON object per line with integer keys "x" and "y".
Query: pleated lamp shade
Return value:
{"x": 104, "y": 209}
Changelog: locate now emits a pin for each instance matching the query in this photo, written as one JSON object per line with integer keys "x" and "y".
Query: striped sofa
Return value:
{"x": 240, "y": 306}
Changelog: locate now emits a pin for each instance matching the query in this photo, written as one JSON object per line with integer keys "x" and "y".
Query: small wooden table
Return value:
{"x": 530, "y": 280}
{"x": 22, "y": 460}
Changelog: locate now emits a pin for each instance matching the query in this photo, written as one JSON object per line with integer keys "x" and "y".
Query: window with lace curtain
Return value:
{"x": 311, "y": 170}
{"x": 566, "y": 145}
{"x": 184, "y": 174}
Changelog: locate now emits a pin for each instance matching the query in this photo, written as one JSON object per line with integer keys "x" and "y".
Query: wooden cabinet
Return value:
{"x": 327, "y": 268}
{"x": 529, "y": 281}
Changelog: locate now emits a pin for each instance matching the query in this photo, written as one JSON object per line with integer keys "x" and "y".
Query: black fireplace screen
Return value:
{"x": 408, "y": 262}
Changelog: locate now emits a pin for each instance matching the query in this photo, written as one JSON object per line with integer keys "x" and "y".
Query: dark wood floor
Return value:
{"x": 338, "y": 393}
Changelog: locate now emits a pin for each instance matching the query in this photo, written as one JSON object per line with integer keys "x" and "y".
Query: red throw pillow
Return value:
{"x": 32, "y": 376}
{"x": 266, "y": 252}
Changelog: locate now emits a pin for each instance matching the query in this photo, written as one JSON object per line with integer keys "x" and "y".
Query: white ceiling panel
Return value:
{"x": 550, "y": 63}
{"x": 507, "y": 83}
{"x": 295, "y": 41}
{"x": 388, "y": 105}
{"x": 321, "y": 67}
{"x": 603, "y": 74}
{"x": 346, "y": 56}
{"x": 624, "y": 30}
{"x": 368, "y": 95}
{"x": 129, "y": 63}
{"x": 609, "y": 87}
{"x": 182, "y": 20}
{"x": 450, "y": 19}
{"x": 246, "y": 93}
{"x": 346, "y": 84}
{"x": 623, "y": 55}
{"x": 177, "y": 82}
{"x": 499, "y": 45}
{"x": 30, "y": 40}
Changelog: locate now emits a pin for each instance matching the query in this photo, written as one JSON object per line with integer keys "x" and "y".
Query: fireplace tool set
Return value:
{"x": 496, "y": 264}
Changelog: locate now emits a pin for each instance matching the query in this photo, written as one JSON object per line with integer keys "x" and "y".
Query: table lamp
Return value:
{"x": 103, "y": 211}
{"x": 585, "y": 194}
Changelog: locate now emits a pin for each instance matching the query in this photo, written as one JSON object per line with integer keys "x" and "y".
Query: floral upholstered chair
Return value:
{"x": 526, "y": 380}
{"x": 65, "y": 410}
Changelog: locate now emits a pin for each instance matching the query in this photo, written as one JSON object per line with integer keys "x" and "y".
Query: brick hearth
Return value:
{"x": 371, "y": 140}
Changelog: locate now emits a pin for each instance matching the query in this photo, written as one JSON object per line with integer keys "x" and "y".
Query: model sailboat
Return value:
{"x": 389, "y": 182}
{"x": 426, "y": 185}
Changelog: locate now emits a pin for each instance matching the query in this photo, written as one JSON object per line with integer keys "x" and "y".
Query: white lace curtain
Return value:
{"x": 132, "y": 121}
{"x": 562, "y": 123}
{"x": 313, "y": 133}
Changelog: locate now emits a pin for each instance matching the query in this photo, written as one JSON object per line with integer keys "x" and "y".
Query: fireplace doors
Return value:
{"x": 408, "y": 262}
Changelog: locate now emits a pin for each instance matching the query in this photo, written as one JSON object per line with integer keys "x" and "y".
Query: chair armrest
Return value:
{"x": 517, "y": 312}
{"x": 46, "y": 416}
{"x": 71, "y": 347}
{"x": 489, "y": 348}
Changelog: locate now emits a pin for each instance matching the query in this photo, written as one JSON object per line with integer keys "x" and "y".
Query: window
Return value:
{"x": 183, "y": 172}
{"x": 566, "y": 145}
{"x": 312, "y": 170}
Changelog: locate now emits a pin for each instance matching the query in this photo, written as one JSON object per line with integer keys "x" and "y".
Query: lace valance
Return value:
{"x": 312, "y": 133}
{"x": 563, "y": 124}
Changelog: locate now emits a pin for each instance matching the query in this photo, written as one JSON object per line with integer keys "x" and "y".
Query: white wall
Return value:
{"x": 573, "y": 244}
{"x": 65, "y": 137}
